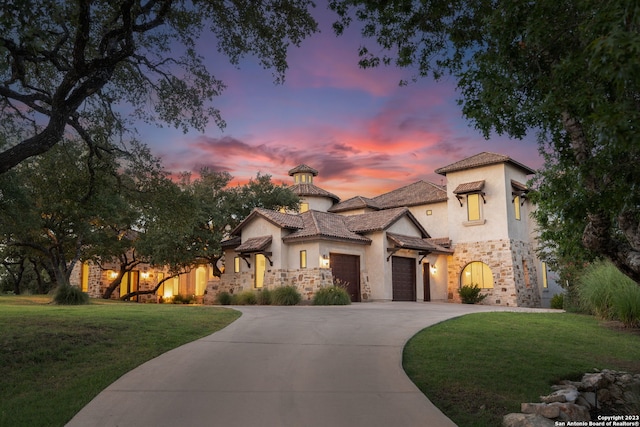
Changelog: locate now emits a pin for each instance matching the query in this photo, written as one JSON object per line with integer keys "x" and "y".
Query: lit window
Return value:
{"x": 236, "y": 264}
{"x": 261, "y": 266}
{"x": 545, "y": 283}
{"x": 303, "y": 259}
{"x": 84, "y": 277}
{"x": 304, "y": 178}
{"x": 477, "y": 273}
{"x": 516, "y": 207}
{"x": 429, "y": 212}
{"x": 201, "y": 280}
{"x": 304, "y": 207}
{"x": 473, "y": 207}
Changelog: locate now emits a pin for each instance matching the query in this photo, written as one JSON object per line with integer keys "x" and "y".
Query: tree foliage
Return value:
{"x": 69, "y": 205}
{"x": 567, "y": 69}
{"x": 208, "y": 208}
{"x": 89, "y": 67}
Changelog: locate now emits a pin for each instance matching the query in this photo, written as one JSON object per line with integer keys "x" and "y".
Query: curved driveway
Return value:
{"x": 284, "y": 366}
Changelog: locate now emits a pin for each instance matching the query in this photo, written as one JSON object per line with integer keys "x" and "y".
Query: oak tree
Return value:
{"x": 566, "y": 69}
{"x": 80, "y": 66}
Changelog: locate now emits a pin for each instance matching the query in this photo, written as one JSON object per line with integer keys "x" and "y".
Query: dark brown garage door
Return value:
{"x": 404, "y": 278}
{"x": 347, "y": 269}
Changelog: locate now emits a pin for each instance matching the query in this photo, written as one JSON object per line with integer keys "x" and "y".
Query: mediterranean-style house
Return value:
{"x": 421, "y": 242}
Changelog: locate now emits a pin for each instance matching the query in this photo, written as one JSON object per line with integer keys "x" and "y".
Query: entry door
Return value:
{"x": 404, "y": 278}
{"x": 347, "y": 269}
{"x": 426, "y": 281}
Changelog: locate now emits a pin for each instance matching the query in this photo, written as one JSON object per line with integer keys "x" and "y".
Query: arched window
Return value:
{"x": 477, "y": 273}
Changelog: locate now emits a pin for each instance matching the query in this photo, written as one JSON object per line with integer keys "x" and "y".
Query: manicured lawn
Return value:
{"x": 55, "y": 359}
{"x": 480, "y": 367}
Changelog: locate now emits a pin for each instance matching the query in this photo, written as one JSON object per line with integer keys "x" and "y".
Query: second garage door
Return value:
{"x": 404, "y": 278}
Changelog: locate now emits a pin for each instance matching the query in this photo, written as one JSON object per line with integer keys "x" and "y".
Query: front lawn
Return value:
{"x": 480, "y": 367}
{"x": 55, "y": 359}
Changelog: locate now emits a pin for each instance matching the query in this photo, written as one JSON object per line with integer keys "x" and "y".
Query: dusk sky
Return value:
{"x": 363, "y": 132}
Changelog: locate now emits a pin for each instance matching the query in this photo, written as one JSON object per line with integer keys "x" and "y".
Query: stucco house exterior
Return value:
{"x": 421, "y": 242}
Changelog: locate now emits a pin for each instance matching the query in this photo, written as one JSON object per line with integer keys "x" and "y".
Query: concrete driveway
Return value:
{"x": 284, "y": 366}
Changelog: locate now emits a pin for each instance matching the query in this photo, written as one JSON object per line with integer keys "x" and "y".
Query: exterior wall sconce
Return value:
{"x": 434, "y": 269}
{"x": 112, "y": 274}
{"x": 144, "y": 275}
{"x": 324, "y": 261}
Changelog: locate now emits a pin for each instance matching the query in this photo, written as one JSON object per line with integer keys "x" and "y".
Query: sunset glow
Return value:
{"x": 363, "y": 132}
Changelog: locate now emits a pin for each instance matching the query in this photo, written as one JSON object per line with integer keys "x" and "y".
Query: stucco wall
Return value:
{"x": 493, "y": 211}
{"x": 436, "y": 224}
{"x": 321, "y": 204}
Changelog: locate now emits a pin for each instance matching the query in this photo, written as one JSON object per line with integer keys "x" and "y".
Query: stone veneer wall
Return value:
{"x": 306, "y": 281}
{"x": 99, "y": 281}
{"x": 513, "y": 284}
{"x": 524, "y": 262}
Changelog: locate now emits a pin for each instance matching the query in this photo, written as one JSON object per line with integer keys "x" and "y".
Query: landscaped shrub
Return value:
{"x": 184, "y": 299}
{"x": 264, "y": 296}
{"x": 609, "y": 294}
{"x": 557, "y": 301}
{"x": 224, "y": 298}
{"x": 245, "y": 298}
{"x": 626, "y": 305}
{"x": 285, "y": 295}
{"x": 331, "y": 295}
{"x": 70, "y": 295}
{"x": 596, "y": 288}
{"x": 471, "y": 294}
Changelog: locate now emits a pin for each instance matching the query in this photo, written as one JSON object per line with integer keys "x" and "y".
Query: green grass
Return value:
{"x": 480, "y": 367}
{"x": 55, "y": 359}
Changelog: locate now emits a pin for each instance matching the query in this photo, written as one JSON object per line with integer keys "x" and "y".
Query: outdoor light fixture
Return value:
{"x": 144, "y": 275}
{"x": 324, "y": 262}
{"x": 434, "y": 269}
{"x": 112, "y": 274}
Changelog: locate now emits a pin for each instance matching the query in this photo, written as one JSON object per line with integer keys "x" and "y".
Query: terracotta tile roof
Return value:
{"x": 379, "y": 220}
{"x": 282, "y": 220}
{"x": 312, "y": 190}
{"x": 469, "y": 187}
{"x": 418, "y": 193}
{"x": 255, "y": 244}
{"x": 231, "y": 242}
{"x": 325, "y": 225}
{"x": 303, "y": 169}
{"x": 416, "y": 243}
{"x": 519, "y": 187}
{"x": 482, "y": 159}
{"x": 357, "y": 202}
{"x": 445, "y": 242}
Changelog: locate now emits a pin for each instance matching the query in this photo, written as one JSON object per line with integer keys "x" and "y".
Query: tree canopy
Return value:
{"x": 566, "y": 69}
{"x": 69, "y": 205}
{"x": 90, "y": 67}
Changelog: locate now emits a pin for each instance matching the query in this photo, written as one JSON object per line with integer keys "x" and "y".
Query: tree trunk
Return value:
{"x": 113, "y": 285}
{"x": 601, "y": 234}
{"x": 148, "y": 291}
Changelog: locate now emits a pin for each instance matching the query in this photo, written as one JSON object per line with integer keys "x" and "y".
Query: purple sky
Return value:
{"x": 358, "y": 128}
